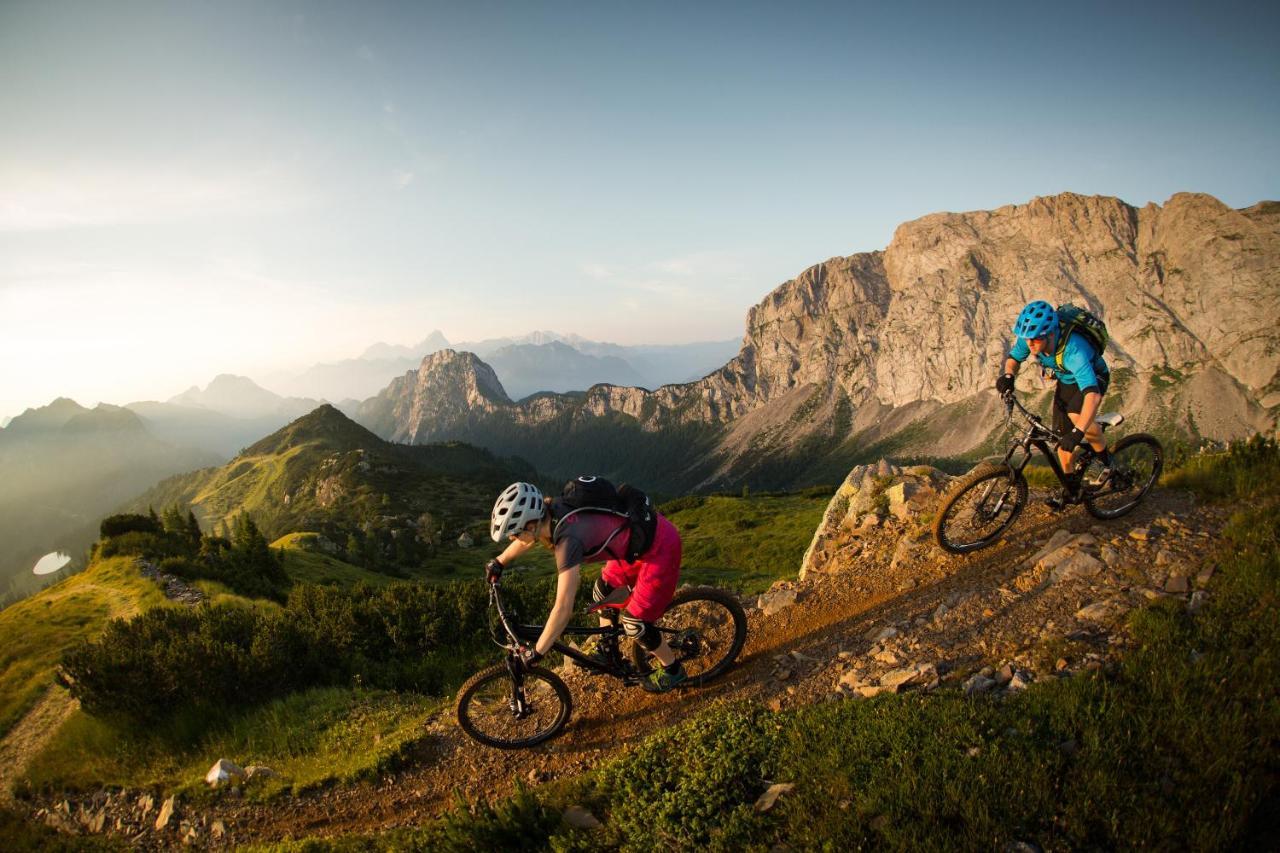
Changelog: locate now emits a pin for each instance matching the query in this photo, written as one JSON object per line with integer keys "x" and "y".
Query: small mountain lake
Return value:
{"x": 51, "y": 562}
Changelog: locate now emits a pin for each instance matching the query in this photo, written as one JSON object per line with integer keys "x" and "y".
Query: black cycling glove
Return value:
{"x": 493, "y": 570}
{"x": 1072, "y": 440}
{"x": 1004, "y": 385}
{"x": 529, "y": 656}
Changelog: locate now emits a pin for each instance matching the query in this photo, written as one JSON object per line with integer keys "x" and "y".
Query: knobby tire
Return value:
{"x": 716, "y": 618}
{"x": 1138, "y": 445}
{"x": 484, "y": 717}
{"x": 946, "y": 526}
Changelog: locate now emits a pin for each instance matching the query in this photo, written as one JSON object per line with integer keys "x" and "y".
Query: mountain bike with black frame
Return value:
{"x": 513, "y": 706}
{"x": 986, "y": 501}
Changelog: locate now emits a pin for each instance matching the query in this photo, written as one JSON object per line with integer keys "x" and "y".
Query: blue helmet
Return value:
{"x": 1036, "y": 320}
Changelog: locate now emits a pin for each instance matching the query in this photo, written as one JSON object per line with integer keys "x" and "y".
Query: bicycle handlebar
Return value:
{"x": 1011, "y": 402}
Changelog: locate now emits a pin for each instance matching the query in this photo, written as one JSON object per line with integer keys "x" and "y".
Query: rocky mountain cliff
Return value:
{"x": 896, "y": 351}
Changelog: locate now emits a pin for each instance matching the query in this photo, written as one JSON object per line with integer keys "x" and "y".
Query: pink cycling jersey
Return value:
{"x": 595, "y": 537}
{"x": 653, "y": 577}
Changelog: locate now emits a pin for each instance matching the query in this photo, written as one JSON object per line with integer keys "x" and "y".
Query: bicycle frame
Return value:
{"x": 526, "y": 633}
{"x": 1037, "y": 437}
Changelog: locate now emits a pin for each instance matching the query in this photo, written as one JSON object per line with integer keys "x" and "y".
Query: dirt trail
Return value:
{"x": 795, "y": 657}
{"x": 30, "y": 735}
{"x": 954, "y": 614}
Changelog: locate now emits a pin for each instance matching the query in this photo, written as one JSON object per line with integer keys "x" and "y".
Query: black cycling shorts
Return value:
{"x": 1069, "y": 399}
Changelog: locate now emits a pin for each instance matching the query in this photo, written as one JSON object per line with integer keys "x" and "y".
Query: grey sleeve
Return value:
{"x": 569, "y": 552}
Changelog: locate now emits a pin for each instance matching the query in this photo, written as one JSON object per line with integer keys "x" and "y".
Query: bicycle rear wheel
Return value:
{"x": 979, "y": 508}
{"x": 1136, "y": 463}
{"x": 706, "y": 627}
{"x": 492, "y": 710}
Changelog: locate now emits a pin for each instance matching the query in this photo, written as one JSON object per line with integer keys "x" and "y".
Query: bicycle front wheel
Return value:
{"x": 494, "y": 711}
{"x": 1136, "y": 463}
{"x": 706, "y": 627}
{"x": 979, "y": 508}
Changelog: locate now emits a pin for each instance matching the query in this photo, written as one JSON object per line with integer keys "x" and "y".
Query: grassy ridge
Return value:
{"x": 1177, "y": 747}
{"x": 306, "y": 566}
{"x": 311, "y": 738}
{"x": 35, "y": 632}
{"x": 745, "y": 543}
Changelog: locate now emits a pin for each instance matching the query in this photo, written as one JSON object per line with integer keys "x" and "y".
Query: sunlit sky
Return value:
{"x": 188, "y": 189}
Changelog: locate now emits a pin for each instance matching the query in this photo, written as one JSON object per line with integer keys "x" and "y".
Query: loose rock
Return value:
{"x": 580, "y": 818}
{"x": 223, "y": 771}
{"x": 769, "y": 798}
{"x": 166, "y": 812}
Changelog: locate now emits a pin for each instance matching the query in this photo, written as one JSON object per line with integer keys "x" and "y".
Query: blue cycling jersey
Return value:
{"x": 1084, "y": 365}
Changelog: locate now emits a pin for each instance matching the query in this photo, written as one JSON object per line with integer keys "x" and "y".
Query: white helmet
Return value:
{"x": 519, "y": 504}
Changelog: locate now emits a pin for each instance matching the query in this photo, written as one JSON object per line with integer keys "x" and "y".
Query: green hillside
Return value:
{"x": 35, "y": 632}
{"x": 387, "y": 507}
{"x": 304, "y": 564}
{"x": 745, "y": 542}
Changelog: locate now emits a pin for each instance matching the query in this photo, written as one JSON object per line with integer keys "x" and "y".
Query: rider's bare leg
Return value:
{"x": 1093, "y": 435}
{"x": 663, "y": 653}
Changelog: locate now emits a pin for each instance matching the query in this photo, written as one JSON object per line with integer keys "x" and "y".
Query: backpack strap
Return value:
{"x": 556, "y": 530}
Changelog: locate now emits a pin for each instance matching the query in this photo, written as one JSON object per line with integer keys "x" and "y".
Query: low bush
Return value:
{"x": 119, "y": 525}
{"x": 402, "y": 637}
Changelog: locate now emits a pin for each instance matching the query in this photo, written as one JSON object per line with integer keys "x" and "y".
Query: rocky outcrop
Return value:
{"x": 900, "y": 346}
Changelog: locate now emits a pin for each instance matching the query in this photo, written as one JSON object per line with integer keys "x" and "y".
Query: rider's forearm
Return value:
{"x": 1011, "y": 366}
{"x": 513, "y": 552}
{"x": 1089, "y": 408}
{"x": 562, "y": 612}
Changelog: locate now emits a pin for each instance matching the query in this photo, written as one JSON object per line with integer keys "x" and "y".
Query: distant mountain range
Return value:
{"x": 896, "y": 352}
{"x": 223, "y": 417}
{"x": 62, "y": 467}
{"x": 538, "y": 361}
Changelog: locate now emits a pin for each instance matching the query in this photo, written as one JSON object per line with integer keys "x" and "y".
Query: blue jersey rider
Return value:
{"x": 1082, "y": 374}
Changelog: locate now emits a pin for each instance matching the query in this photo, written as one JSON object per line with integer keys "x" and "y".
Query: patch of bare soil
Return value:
{"x": 30, "y": 735}
{"x": 895, "y": 613}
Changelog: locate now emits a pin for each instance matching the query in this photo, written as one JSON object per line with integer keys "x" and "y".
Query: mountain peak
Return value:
{"x": 240, "y": 397}
{"x": 50, "y": 417}
{"x": 325, "y": 425}
{"x": 384, "y": 351}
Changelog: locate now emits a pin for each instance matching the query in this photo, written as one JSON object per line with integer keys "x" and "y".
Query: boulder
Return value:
{"x": 769, "y": 798}
{"x": 465, "y": 540}
{"x": 1099, "y": 611}
{"x": 580, "y": 818}
{"x": 257, "y": 771}
{"x": 978, "y": 684}
{"x": 897, "y": 679}
{"x": 879, "y": 635}
{"x": 166, "y": 812}
{"x": 773, "y": 602}
{"x": 223, "y": 771}
{"x": 1176, "y": 584}
{"x": 1056, "y": 541}
{"x": 1077, "y": 565}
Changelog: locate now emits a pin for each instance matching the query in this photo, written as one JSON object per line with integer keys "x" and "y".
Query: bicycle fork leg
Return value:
{"x": 518, "y": 704}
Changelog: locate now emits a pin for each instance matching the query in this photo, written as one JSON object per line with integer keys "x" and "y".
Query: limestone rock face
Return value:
{"x": 903, "y": 344}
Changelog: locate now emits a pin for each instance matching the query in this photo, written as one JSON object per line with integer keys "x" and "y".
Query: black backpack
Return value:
{"x": 599, "y": 495}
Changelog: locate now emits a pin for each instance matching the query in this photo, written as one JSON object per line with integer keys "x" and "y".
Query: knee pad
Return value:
{"x": 600, "y": 591}
{"x": 644, "y": 632}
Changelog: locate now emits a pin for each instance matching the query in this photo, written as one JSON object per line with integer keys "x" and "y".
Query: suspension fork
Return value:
{"x": 519, "y": 705}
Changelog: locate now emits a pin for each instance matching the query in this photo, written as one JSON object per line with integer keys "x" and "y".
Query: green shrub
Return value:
{"x": 118, "y": 525}
{"x": 402, "y": 637}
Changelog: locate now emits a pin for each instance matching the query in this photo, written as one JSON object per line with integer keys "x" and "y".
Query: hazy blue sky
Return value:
{"x": 193, "y": 188}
